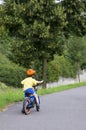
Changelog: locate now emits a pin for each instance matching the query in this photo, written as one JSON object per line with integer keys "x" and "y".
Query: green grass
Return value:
{"x": 60, "y": 88}
{"x": 10, "y": 95}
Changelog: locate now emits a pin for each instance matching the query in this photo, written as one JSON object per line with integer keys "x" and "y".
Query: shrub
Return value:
{"x": 10, "y": 73}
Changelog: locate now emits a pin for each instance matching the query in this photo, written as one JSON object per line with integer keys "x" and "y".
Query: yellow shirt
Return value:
{"x": 29, "y": 83}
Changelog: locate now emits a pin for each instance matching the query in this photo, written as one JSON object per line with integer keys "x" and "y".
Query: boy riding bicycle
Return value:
{"x": 28, "y": 84}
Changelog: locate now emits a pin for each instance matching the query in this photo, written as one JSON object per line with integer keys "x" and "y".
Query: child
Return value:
{"x": 29, "y": 82}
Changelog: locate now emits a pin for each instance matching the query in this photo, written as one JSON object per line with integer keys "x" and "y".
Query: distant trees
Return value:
{"x": 71, "y": 62}
{"x": 60, "y": 66}
{"x": 76, "y": 52}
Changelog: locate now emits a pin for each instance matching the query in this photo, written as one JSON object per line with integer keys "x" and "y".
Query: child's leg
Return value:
{"x": 36, "y": 96}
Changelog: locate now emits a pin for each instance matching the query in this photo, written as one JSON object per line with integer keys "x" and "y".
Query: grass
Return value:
{"x": 60, "y": 88}
{"x": 10, "y": 95}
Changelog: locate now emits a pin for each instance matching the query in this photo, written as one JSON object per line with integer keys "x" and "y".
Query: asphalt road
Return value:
{"x": 59, "y": 111}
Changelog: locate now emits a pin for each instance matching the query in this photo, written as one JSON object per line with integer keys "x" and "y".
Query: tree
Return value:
{"x": 77, "y": 52}
{"x": 76, "y": 25}
{"x": 60, "y": 66}
{"x": 76, "y": 17}
{"x": 36, "y": 27}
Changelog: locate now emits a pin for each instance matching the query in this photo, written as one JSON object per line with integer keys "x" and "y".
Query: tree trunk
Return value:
{"x": 44, "y": 71}
{"x": 78, "y": 71}
{"x": 78, "y": 77}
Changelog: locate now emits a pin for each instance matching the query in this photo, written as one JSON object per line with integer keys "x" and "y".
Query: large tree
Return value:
{"x": 76, "y": 17}
{"x": 36, "y": 27}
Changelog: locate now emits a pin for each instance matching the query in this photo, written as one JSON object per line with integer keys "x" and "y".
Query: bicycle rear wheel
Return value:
{"x": 25, "y": 106}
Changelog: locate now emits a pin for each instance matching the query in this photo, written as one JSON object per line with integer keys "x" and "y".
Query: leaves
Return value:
{"x": 76, "y": 23}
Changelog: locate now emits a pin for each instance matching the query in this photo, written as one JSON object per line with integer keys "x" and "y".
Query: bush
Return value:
{"x": 10, "y": 73}
{"x": 60, "y": 66}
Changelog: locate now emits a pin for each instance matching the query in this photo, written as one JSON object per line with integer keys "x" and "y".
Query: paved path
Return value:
{"x": 59, "y": 111}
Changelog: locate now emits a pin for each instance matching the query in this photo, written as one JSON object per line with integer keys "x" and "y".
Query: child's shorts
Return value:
{"x": 29, "y": 91}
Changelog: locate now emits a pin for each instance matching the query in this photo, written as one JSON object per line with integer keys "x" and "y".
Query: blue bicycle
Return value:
{"x": 30, "y": 102}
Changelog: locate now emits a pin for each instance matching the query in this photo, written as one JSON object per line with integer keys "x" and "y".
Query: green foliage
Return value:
{"x": 33, "y": 31}
{"x": 29, "y": 22}
{"x": 4, "y": 42}
{"x": 65, "y": 67}
{"x": 10, "y": 73}
{"x": 76, "y": 53}
{"x": 83, "y": 61}
{"x": 22, "y": 52}
{"x": 77, "y": 50}
{"x": 60, "y": 66}
{"x": 76, "y": 16}
{"x": 36, "y": 24}
{"x": 53, "y": 71}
